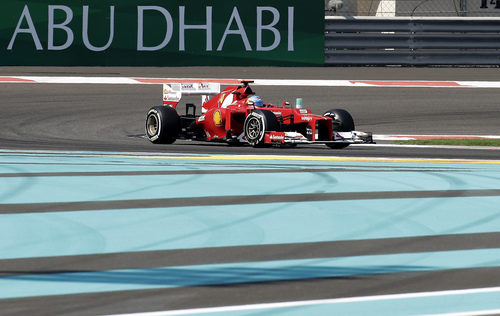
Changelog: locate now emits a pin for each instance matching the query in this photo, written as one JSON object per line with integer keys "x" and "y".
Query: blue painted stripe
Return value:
{"x": 169, "y": 277}
{"x": 95, "y": 232}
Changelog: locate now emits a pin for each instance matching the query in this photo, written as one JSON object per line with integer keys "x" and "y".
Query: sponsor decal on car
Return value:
{"x": 171, "y": 97}
{"x": 217, "y": 118}
{"x": 277, "y": 137}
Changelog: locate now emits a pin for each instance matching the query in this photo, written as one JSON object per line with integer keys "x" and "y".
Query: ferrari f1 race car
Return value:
{"x": 236, "y": 115}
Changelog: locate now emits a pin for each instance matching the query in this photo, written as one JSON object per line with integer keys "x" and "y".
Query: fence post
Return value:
{"x": 463, "y": 7}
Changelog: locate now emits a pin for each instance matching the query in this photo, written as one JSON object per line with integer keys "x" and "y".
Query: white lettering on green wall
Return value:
{"x": 85, "y": 30}
{"x": 207, "y": 27}
{"x": 140, "y": 27}
{"x": 239, "y": 31}
{"x": 30, "y": 30}
{"x": 61, "y": 26}
{"x": 266, "y": 35}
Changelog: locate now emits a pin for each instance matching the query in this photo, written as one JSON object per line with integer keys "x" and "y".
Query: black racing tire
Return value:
{"x": 162, "y": 125}
{"x": 256, "y": 124}
{"x": 342, "y": 122}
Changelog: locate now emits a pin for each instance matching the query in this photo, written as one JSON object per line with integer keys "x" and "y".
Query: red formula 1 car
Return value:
{"x": 236, "y": 115}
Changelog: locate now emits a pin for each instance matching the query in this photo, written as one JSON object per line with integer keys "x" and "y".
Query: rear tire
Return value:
{"x": 342, "y": 122}
{"x": 256, "y": 124}
{"x": 162, "y": 125}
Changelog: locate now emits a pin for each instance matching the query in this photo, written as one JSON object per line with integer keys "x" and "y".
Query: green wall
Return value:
{"x": 161, "y": 33}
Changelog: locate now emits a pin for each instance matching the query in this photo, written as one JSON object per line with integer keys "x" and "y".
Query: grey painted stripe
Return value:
{"x": 236, "y": 200}
{"x": 157, "y": 172}
{"x": 150, "y": 259}
{"x": 217, "y": 171}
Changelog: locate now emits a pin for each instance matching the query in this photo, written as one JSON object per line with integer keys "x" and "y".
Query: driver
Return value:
{"x": 256, "y": 101}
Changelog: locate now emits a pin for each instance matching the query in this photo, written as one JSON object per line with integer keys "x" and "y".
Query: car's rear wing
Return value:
{"x": 172, "y": 92}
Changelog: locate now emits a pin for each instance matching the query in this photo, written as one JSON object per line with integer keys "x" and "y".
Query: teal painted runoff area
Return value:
{"x": 108, "y": 231}
{"x": 63, "y": 177}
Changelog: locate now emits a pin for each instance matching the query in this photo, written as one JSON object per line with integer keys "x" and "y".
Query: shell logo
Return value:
{"x": 217, "y": 118}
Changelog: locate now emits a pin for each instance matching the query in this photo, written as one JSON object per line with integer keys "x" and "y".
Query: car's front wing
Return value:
{"x": 354, "y": 137}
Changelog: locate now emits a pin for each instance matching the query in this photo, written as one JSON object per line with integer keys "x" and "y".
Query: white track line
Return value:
{"x": 428, "y": 146}
{"x": 381, "y": 137}
{"x": 470, "y": 313}
{"x": 327, "y": 301}
{"x": 415, "y": 137}
{"x": 262, "y": 82}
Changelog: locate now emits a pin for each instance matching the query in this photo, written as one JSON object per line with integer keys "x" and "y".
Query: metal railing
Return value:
{"x": 412, "y": 41}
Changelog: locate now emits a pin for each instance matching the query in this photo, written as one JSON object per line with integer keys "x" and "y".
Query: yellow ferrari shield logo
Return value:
{"x": 217, "y": 118}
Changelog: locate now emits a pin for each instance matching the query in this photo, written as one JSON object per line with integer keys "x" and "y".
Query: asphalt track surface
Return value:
{"x": 110, "y": 118}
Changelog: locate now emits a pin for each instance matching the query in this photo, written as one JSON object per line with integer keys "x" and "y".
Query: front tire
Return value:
{"x": 256, "y": 125}
{"x": 162, "y": 125}
{"x": 342, "y": 122}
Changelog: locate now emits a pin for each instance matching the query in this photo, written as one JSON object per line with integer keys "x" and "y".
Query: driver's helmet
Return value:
{"x": 255, "y": 100}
